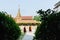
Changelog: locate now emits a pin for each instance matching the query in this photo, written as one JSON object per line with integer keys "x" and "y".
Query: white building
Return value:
{"x": 26, "y": 22}
{"x": 57, "y": 6}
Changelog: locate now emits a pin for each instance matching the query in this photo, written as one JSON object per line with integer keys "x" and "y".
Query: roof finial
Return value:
{"x": 18, "y": 6}
{"x": 18, "y": 14}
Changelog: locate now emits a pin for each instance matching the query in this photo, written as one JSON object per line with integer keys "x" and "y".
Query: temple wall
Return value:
{"x": 33, "y": 28}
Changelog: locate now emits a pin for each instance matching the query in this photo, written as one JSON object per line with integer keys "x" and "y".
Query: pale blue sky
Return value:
{"x": 27, "y": 7}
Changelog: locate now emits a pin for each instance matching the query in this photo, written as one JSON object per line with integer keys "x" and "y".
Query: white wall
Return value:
{"x": 33, "y": 27}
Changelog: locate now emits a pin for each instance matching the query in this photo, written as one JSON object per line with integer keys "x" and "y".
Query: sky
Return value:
{"x": 27, "y": 7}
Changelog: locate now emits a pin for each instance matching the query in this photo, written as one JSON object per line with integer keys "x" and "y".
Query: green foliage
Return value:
{"x": 44, "y": 14}
{"x": 9, "y": 30}
{"x": 37, "y": 18}
{"x": 47, "y": 29}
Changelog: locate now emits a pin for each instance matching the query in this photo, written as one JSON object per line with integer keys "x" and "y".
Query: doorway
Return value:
{"x": 30, "y": 29}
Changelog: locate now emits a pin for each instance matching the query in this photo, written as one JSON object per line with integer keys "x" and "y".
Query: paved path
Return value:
{"x": 28, "y": 36}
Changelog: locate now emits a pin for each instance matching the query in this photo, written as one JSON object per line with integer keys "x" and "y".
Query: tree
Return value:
{"x": 9, "y": 30}
{"x": 46, "y": 30}
{"x": 37, "y": 18}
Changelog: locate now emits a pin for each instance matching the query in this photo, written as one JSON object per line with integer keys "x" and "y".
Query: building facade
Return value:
{"x": 26, "y": 22}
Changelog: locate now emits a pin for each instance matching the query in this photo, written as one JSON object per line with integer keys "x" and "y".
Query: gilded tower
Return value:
{"x": 18, "y": 17}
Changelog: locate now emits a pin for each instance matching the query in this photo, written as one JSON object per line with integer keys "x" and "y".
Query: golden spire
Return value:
{"x": 18, "y": 17}
{"x": 18, "y": 14}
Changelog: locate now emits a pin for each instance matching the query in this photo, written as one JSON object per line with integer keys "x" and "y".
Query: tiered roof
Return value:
{"x": 24, "y": 19}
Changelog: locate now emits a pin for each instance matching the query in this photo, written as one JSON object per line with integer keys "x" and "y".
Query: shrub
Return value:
{"x": 49, "y": 23}
{"x": 9, "y": 30}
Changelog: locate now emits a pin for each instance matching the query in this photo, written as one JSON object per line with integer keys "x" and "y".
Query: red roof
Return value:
{"x": 26, "y": 17}
{"x": 27, "y": 21}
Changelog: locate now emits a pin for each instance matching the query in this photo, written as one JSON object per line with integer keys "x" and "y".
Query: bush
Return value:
{"x": 9, "y": 30}
{"x": 47, "y": 29}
